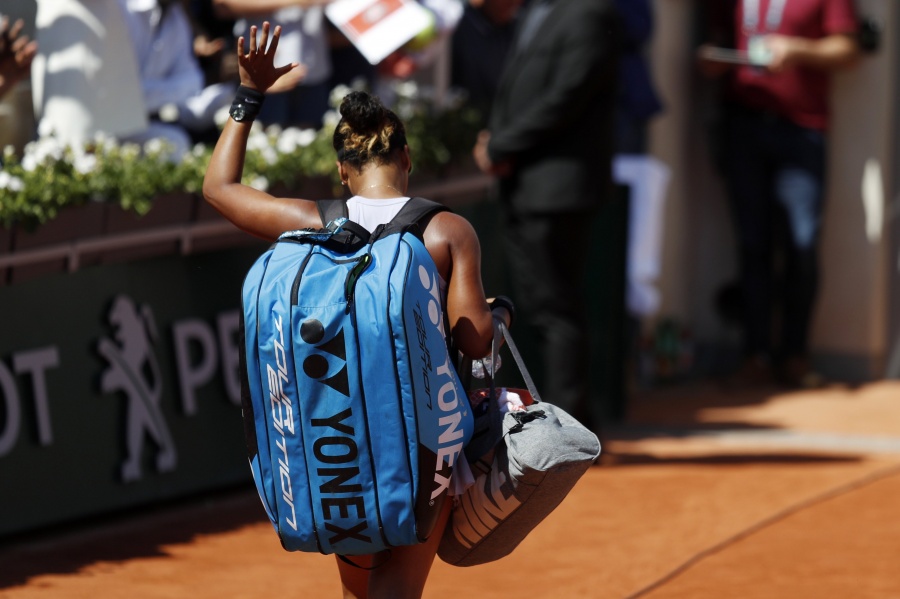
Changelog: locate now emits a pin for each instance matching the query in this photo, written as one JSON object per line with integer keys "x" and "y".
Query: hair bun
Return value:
{"x": 367, "y": 131}
{"x": 363, "y": 112}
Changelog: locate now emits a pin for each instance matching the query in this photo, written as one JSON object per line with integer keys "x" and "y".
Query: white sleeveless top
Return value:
{"x": 371, "y": 213}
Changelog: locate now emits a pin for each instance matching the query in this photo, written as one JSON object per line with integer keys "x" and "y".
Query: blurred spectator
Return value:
{"x": 214, "y": 42}
{"x": 775, "y": 156}
{"x": 181, "y": 107}
{"x": 16, "y": 54}
{"x": 481, "y": 42}
{"x": 304, "y": 39}
{"x": 170, "y": 75}
{"x": 348, "y": 65}
{"x": 645, "y": 176}
{"x": 550, "y": 144}
{"x": 85, "y": 76}
{"x": 637, "y": 100}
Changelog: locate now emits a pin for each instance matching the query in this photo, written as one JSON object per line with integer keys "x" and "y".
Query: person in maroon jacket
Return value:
{"x": 775, "y": 154}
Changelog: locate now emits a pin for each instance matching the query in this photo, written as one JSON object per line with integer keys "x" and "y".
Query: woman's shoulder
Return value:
{"x": 451, "y": 228}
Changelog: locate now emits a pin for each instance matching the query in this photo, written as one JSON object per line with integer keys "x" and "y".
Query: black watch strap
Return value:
{"x": 247, "y": 104}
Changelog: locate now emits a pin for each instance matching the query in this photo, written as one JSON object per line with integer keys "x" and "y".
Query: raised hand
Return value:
{"x": 16, "y": 53}
{"x": 257, "y": 67}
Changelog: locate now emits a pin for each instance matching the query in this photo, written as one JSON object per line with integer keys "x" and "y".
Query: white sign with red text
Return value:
{"x": 378, "y": 27}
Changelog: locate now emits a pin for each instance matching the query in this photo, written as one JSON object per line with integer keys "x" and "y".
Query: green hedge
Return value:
{"x": 48, "y": 176}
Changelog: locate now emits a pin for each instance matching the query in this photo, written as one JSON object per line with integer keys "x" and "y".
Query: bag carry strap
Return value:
{"x": 414, "y": 211}
{"x": 331, "y": 209}
{"x": 483, "y": 462}
{"x": 495, "y": 350}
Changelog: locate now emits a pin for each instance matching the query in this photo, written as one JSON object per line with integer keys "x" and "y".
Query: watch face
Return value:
{"x": 238, "y": 112}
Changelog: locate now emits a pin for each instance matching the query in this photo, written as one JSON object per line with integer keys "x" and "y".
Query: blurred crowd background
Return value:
{"x": 143, "y": 69}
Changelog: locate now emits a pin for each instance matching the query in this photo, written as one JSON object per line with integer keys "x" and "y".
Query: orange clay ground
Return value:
{"x": 699, "y": 494}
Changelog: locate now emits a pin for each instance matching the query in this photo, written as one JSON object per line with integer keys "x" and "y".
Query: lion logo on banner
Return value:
{"x": 134, "y": 370}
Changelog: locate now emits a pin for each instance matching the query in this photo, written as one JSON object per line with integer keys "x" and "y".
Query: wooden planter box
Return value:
{"x": 104, "y": 233}
{"x": 69, "y": 225}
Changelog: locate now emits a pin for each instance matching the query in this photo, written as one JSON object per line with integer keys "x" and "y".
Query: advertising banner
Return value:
{"x": 119, "y": 386}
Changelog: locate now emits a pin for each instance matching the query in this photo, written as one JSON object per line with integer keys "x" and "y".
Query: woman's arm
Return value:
{"x": 253, "y": 211}
{"x": 454, "y": 243}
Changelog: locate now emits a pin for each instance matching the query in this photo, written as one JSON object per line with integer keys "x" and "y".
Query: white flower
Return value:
{"x": 260, "y": 183}
{"x": 131, "y": 151}
{"x": 9, "y": 153}
{"x": 46, "y": 149}
{"x": 407, "y": 89}
{"x": 106, "y": 143}
{"x": 269, "y": 155}
{"x": 155, "y": 146}
{"x": 29, "y": 162}
{"x": 287, "y": 142}
{"x": 85, "y": 163}
{"x": 10, "y": 182}
{"x": 305, "y": 137}
{"x": 273, "y": 130}
{"x": 169, "y": 113}
{"x": 293, "y": 138}
{"x": 337, "y": 94}
{"x": 221, "y": 116}
{"x": 258, "y": 141}
{"x": 331, "y": 118}
{"x": 198, "y": 151}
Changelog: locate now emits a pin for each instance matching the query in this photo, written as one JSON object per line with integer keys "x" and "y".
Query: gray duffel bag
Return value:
{"x": 525, "y": 462}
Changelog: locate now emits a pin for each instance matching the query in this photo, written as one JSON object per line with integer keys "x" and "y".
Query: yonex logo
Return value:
{"x": 430, "y": 283}
{"x": 450, "y": 440}
{"x": 316, "y": 365}
{"x": 336, "y": 451}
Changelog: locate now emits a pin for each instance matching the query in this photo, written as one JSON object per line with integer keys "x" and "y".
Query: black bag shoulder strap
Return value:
{"x": 331, "y": 209}
{"x": 411, "y": 216}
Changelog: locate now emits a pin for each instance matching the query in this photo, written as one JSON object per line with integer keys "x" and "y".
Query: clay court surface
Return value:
{"x": 700, "y": 494}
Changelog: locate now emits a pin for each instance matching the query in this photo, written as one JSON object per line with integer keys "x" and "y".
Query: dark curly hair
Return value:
{"x": 367, "y": 131}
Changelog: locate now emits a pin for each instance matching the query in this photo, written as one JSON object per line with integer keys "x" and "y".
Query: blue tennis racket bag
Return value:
{"x": 353, "y": 411}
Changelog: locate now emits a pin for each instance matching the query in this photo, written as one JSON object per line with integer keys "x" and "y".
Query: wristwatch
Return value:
{"x": 239, "y": 112}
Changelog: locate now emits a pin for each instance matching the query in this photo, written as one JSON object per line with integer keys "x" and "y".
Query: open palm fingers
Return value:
{"x": 257, "y": 64}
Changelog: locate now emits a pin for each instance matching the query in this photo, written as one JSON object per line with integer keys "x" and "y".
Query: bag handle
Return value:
{"x": 500, "y": 326}
{"x": 480, "y": 456}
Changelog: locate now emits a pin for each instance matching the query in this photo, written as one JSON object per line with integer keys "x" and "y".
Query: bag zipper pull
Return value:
{"x": 353, "y": 276}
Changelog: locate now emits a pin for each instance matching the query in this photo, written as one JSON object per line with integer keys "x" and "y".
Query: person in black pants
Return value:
{"x": 549, "y": 143}
{"x": 777, "y": 116}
